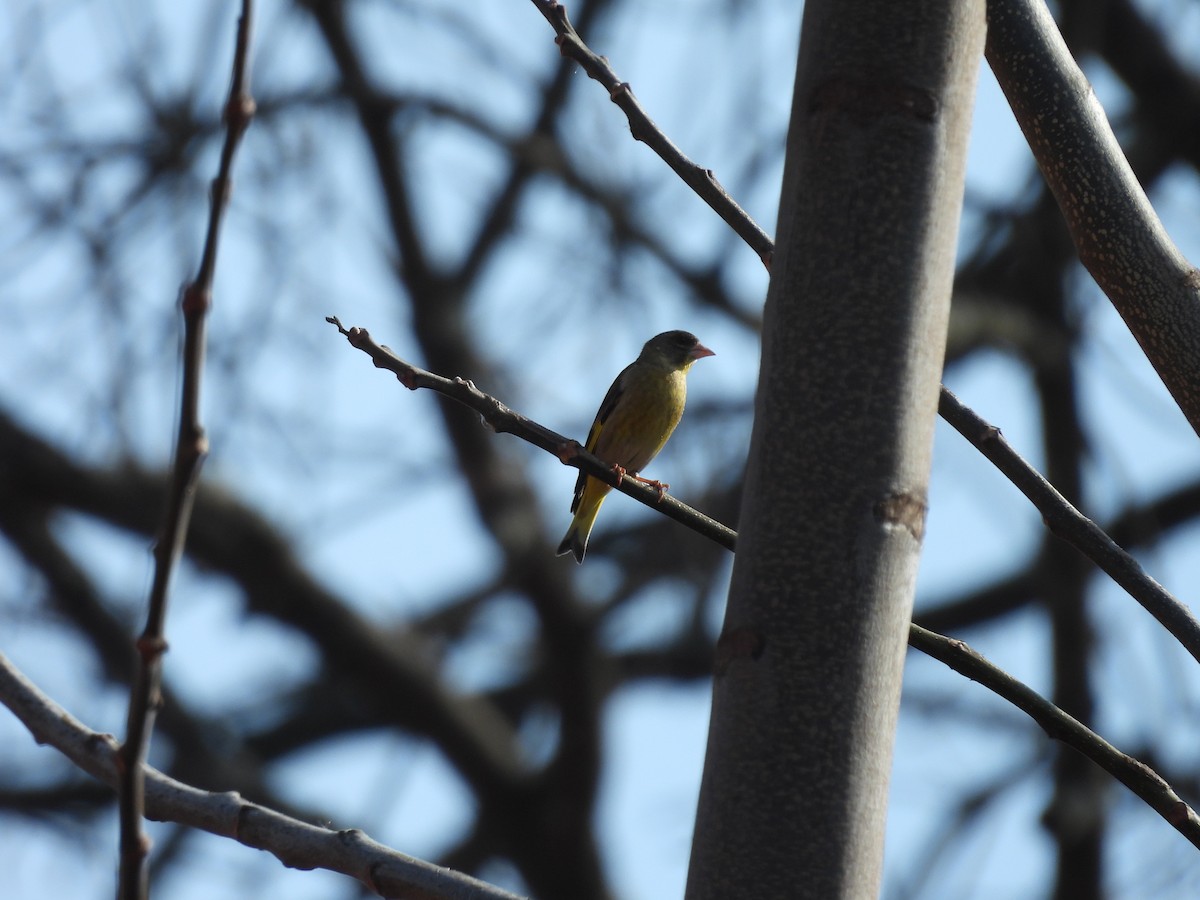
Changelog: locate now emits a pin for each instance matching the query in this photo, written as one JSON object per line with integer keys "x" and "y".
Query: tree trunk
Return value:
{"x": 809, "y": 663}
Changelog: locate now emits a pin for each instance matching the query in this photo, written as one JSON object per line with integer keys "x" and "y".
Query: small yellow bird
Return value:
{"x": 638, "y": 414}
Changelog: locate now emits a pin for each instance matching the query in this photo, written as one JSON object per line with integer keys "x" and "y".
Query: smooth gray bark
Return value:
{"x": 809, "y": 663}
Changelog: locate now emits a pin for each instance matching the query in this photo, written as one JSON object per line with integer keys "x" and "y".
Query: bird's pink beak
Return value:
{"x": 700, "y": 351}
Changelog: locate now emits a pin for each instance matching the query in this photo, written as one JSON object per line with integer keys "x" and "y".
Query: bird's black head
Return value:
{"x": 677, "y": 348}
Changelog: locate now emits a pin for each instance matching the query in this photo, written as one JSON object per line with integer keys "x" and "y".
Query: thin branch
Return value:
{"x": 501, "y": 419}
{"x": 1068, "y": 523}
{"x": 1138, "y": 777}
{"x": 190, "y": 451}
{"x": 296, "y": 844}
{"x": 642, "y": 127}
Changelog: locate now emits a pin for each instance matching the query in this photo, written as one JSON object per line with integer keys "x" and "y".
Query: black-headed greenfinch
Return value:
{"x": 638, "y": 414}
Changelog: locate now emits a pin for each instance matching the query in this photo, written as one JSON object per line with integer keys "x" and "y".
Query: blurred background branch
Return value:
{"x": 369, "y": 627}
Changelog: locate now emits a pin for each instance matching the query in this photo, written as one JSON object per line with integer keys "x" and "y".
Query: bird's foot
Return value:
{"x": 621, "y": 473}
{"x": 660, "y": 486}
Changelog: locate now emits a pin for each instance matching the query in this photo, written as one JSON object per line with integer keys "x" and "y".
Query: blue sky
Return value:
{"x": 375, "y": 520}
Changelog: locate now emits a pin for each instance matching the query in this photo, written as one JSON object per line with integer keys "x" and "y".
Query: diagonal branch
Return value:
{"x": 1068, "y": 523}
{"x": 1119, "y": 238}
{"x": 1135, "y": 775}
{"x": 643, "y": 129}
{"x": 296, "y": 844}
{"x": 500, "y": 418}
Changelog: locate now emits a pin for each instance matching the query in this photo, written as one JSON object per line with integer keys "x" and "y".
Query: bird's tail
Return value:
{"x": 575, "y": 541}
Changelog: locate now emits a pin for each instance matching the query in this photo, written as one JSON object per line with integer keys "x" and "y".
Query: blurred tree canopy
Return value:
{"x": 370, "y": 617}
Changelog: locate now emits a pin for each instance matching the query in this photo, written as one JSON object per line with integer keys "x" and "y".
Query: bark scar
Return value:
{"x": 904, "y": 510}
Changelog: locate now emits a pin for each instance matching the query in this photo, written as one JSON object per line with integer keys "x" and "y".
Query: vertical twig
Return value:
{"x": 190, "y": 450}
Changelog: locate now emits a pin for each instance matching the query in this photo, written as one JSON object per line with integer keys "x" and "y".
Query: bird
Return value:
{"x": 638, "y": 414}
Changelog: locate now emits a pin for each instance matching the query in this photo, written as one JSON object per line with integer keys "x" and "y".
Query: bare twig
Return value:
{"x": 1138, "y": 777}
{"x": 296, "y": 844}
{"x": 1068, "y": 523}
{"x": 703, "y": 181}
{"x": 190, "y": 450}
{"x": 501, "y": 419}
